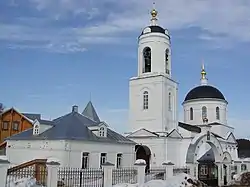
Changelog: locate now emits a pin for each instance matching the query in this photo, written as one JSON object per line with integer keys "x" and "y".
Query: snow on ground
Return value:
{"x": 180, "y": 180}
{"x": 25, "y": 182}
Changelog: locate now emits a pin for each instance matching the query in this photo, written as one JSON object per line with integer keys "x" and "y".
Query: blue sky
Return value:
{"x": 56, "y": 53}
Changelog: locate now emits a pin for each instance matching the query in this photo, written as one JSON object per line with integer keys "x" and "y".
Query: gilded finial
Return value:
{"x": 203, "y": 72}
{"x": 154, "y": 15}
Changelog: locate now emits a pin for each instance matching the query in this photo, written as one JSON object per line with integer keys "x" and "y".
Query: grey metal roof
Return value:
{"x": 207, "y": 157}
{"x": 189, "y": 127}
{"x": 90, "y": 112}
{"x": 72, "y": 126}
{"x": 32, "y": 116}
{"x": 45, "y": 122}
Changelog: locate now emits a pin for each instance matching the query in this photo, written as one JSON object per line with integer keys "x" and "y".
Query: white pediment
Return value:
{"x": 142, "y": 133}
{"x": 174, "y": 134}
{"x": 230, "y": 138}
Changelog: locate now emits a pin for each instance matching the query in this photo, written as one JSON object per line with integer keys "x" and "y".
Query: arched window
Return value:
{"x": 145, "y": 100}
{"x": 36, "y": 129}
{"x": 169, "y": 101}
{"x": 147, "y": 60}
{"x": 191, "y": 114}
{"x": 204, "y": 112}
{"x": 167, "y": 61}
{"x": 217, "y": 113}
{"x": 101, "y": 131}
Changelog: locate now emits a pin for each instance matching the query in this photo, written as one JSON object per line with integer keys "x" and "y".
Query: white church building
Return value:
{"x": 204, "y": 141}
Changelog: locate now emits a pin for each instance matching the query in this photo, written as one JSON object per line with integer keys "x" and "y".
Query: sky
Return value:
{"x": 58, "y": 53}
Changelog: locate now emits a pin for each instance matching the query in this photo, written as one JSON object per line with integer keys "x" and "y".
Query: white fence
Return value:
{"x": 106, "y": 177}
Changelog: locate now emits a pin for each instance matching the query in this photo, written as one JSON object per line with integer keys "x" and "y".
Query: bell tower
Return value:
{"x": 152, "y": 93}
{"x": 154, "y": 51}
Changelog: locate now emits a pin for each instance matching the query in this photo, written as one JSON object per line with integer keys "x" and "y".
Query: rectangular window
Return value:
{"x": 5, "y": 125}
{"x": 119, "y": 160}
{"x": 15, "y": 125}
{"x": 85, "y": 160}
{"x": 103, "y": 158}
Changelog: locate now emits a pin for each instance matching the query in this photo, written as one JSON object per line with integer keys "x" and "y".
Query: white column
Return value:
{"x": 108, "y": 170}
{"x": 4, "y": 165}
{"x": 169, "y": 169}
{"x": 228, "y": 173}
{"x": 193, "y": 169}
{"x": 141, "y": 165}
{"x": 52, "y": 177}
{"x": 220, "y": 174}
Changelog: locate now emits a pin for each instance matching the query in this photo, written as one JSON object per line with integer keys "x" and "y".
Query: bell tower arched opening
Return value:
{"x": 147, "y": 60}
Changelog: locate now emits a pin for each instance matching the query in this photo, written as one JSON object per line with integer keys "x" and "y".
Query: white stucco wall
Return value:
{"x": 74, "y": 150}
{"x": 166, "y": 149}
{"x": 211, "y": 105}
{"x": 20, "y": 151}
{"x": 158, "y": 117}
{"x": 68, "y": 152}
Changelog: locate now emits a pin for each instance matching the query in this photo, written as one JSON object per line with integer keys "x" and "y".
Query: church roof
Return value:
{"x": 204, "y": 92}
{"x": 90, "y": 112}
{"x": 72, "y": 126}
{"x": 207, "y": 157}
{"x": 188, "y": 127}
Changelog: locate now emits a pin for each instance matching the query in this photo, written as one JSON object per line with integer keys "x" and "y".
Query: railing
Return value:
{"x": 124, "y": 175}
{"x": 156, "y": 174}
{"x": 181, "y": 170}
{"x": 37, "y": 172}
{"x": 80, "y": 177}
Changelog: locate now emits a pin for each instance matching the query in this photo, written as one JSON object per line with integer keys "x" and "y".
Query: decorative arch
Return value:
{"x": 195, "y": 145}
{"x": 147, "y": 60}
{"x": 143, "y": 152}
{"x": 227, "y": 158}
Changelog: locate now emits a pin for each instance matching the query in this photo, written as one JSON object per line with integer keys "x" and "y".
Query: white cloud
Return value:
{"x": 224, "y": 21}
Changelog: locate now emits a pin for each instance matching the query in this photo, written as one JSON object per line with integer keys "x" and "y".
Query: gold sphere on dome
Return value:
{"x": 154, "y": 13}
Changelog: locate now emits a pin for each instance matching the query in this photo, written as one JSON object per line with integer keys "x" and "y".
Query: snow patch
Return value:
{"x": 180, "y": 180}
{"x": 53, "y": 159}
{"x": 3, "y": 157}
{"x": 24, "y": 182}
{"x": 140, "y": 161}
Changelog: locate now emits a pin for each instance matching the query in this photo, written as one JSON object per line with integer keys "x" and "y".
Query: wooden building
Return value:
{"x": 13, "y": 122}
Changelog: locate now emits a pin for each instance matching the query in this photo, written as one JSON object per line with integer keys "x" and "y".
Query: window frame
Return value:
{"x": 15, "y": 125}
{"x": 145, "y": 100}
{"x": 119, "y": 160}
{"x": 103, "y": 156}
{"x": 217, "y": 113}
{"x": 102, "y": 132}
{"x": 5, "y": 124}
{"x": 36, "y": 129}
{"x": 204, "y": 112}
{"x": 167, "y": 71}
{"x": 191, "y": 114}
{"x": 169, "y": 101}
{"x": 85, "y": 160}
{"x": 147, "y": 56}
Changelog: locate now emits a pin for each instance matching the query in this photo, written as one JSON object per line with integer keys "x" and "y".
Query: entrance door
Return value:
{"x": 208, "y": 173}
{"x": 143, "y": 152}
